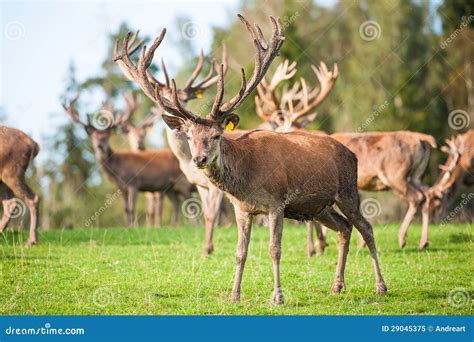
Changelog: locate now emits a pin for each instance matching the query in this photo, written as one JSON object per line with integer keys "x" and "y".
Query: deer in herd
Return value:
{"x": 298, "y": 175}
{"x": 17, "y": 151}
{"x": 136, "y": 135}
{"x": 458, "y": 170}
{"x": 211, "y": 196}
{"x": 386, "y": 160}
{"x": 144, "y": 171}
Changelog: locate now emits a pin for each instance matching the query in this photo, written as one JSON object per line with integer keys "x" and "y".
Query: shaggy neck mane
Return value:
{"x": 228, "y": 171}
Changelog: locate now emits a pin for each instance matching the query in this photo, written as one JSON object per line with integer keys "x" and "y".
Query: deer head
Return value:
{"x": 99, "y": 126}
{"x": 438, "y": 192}
{"x": 136, "y": 133}
{"x": 204, "y": 134}
{"x": 295, "y": 106}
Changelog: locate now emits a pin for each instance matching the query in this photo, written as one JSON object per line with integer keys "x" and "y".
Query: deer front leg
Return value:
{"x": 126, "y": 203}
{"x": 275, "y": 222}
{"x": 244, "y": 228}
{"x": 425, "y": 220}
{"x": 150, "y": 209}
{"x": 132, "y": 201}
{"x": 158, "y": 201}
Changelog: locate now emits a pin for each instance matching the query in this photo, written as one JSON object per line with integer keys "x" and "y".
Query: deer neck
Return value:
{"x": 227, "y": 172}
{"x": 105, "y": 159}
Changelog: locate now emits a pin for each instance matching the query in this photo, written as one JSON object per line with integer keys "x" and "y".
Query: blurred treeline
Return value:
{"x": 409, "y": 69}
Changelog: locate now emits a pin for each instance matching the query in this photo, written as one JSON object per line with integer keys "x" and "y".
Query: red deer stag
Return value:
{"x": 386, "y": 160}
{"x": 147, "y": 171}
{"x": 17, "y": 152}
{"x": 296, "y": 175}
{"x": 211, "y": 197}
{"x": 458, "y": 170}
{"x": 136, "y": 135}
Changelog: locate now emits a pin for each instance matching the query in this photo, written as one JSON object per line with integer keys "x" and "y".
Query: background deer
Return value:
{"x": 458, "y": 170}
{"x": 136, "y": 136}
{"x": 211, "y": 197}
{"x": 147, "y": 171}
{"x": 17, "y": 151}
{"x": 259, "y": 170}
{"x": 386, "y": 160}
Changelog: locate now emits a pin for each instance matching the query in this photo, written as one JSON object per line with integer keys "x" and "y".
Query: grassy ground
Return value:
{"x": 161, "y": 271}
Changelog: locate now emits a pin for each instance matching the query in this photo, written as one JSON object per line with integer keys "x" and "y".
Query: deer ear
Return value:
{"x": 230, "y": 122}
{"x": 173, "y": 122}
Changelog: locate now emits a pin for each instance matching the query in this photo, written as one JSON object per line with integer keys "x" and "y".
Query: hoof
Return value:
{"x": 31, "y": 243}
{"x": 423, "y": 245}
{"x": 208, "y": 250}
{"x": 381, "y": 288}
{"x": 310, "y": 252}
{"x": 277, "y": 298}
{"x": 337, "y": 287}
{"x": 234, "y": 297}
{"x": 402, "y": 242}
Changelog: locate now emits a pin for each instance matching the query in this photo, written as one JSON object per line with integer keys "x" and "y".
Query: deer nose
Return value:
{"x": 200, "y": 160}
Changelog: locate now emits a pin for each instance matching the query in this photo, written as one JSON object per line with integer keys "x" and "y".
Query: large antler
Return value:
{"x": 265, "y": 52}
{"x": 266, "y": 91}
{"x": 309, "y": 100}
{"x": 132, "y": 72}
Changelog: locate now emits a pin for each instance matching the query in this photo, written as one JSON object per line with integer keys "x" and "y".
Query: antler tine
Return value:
{"x": 264, "y": 55}
{"x": 139, "y": 73}
{"x": 165, "y": 72}
{"x": 211, "y": 78}
{"x": 327, "y": 80}
{"x": 264, "y": 115}
{"x": 150, "y": 120}
{"x": 70, "y": 108}
{"x": 197, "y": 70}
{"x": 132, "y": 101}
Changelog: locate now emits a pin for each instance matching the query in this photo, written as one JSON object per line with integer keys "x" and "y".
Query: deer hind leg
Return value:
{"x": 310, "y": 241}
{"x": 9, "y": 205}
{"x": 349, "y": 204}
{"x": 425, "y": 220}
{"x": 31, "y": 200}
{"x": 275, "y": 223}
{"x": 244, "y": 228}
{"x": 150, "y": 209}
{"x": 158, "y": 203}
{"x": 338, "y": 223}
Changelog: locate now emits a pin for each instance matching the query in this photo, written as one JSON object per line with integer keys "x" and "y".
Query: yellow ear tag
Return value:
{"x": 198, "y": 94}
{"x": 230, "y": 126}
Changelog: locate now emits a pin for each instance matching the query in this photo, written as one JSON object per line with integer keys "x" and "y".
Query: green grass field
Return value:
{"x": 161, "y": 271}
